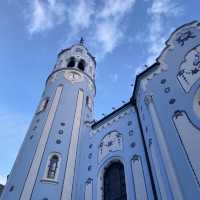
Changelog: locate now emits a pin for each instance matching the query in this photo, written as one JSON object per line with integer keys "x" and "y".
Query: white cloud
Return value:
{"x": 159, "y": 12}
{"x": 107, "y": 36}
{"x": 109, "y": 28}
{"x": 45, "y": 15}
{"x": 116, "y": 8}
{"x": 103, "y": 20}
{"x": 80, "y": 13}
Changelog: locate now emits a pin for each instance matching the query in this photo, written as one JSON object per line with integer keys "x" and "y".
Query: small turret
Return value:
{"x": 77, "y": 57}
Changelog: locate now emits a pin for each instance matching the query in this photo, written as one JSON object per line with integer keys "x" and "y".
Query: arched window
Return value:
{"x": 114, "y": 182}
{"x": 43, "y": 105}
{"x": 72, "y": 62}
{"x": 81, "y": 65}
{"x": 52, "y": 168}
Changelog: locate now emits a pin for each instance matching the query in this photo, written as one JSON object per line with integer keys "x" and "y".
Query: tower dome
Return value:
{"x": 77, "y": 57}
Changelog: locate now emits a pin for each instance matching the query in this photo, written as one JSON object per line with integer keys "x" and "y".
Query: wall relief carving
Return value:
{"x": 110, "y": 143}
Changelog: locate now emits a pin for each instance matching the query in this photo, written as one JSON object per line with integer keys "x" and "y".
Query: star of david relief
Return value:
{"x": 184, "y": 36}
{"x": 189, "y": 70}
{"x": 179, "y": 38}
{"x": 110, "y": 143}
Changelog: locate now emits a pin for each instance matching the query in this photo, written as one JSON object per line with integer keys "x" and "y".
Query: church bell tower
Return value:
{"x": 46, "y": 164}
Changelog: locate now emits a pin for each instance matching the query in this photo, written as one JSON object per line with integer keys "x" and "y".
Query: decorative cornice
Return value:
{"x": 110, "y": 121}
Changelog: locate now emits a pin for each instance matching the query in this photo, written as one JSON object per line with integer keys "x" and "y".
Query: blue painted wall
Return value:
{"x": 155, "y": 136}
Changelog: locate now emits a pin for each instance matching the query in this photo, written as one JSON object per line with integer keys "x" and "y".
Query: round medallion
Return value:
{"x": 73, "y": 76}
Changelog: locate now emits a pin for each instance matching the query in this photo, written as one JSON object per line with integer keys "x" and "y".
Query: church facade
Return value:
{"x": 146, "y": 149}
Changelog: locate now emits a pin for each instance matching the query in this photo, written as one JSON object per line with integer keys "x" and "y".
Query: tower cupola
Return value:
{"x": 77, "y": 57}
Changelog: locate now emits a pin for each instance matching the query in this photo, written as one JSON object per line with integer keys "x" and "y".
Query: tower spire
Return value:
{"x": 81, "y": 41}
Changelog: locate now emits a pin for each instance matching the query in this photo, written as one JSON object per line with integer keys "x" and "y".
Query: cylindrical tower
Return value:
{"x": 46, "y": 164}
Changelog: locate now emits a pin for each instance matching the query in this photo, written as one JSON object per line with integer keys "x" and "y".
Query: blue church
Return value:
{"x": 147, "y": 149}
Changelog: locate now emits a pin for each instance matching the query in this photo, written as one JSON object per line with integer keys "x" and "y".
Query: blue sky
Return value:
{"x": 123, "y": 35}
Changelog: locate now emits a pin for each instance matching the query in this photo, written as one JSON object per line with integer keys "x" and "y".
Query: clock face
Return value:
{"x": 189, "y": 71}
{"x": 73, "y": 76}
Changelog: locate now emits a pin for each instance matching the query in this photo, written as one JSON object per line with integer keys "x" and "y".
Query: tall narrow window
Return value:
{"x": 89, "y": 102}
{"x": 43, "y": 105}
{"x": 114, "y": 182}
{"x": 72, "y": 62}
{"x": 81, "y": 65}
{"x": 52, "y": 168}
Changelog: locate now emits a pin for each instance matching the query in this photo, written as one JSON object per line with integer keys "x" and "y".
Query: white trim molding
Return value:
{"x": 88, "y": 189}
{"x": 32, "y": 175}
{"x": 45, "y": 177}
{"x": 139, "y": 180}
{"x": 189, "y": 135}
{"x": 164, "y": 149}
{"x": 155, "y": 164}
{"x": 71, "y": 162}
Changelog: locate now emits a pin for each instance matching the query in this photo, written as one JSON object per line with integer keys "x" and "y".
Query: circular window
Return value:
{"x": 58, "y": 141}
{"x": 62, "y": 123}
{"x": 196, "y": 103}
{"x": 163, "y": 81}
{"x": 167, "y": 89}
{"x": 133, "y": 144}
{"x": 60, "y": 131}
{"x": 90, "y": 156}
{"x": 172, "y": 101}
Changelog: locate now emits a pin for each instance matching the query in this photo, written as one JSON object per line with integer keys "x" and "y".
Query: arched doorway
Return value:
{"x": 114, "y": 182}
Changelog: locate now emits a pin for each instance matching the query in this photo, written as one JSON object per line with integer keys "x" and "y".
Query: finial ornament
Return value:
{"x": 81, "y": 41}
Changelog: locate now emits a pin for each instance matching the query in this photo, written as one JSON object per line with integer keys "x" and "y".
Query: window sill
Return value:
{"x": 45, "y": 180}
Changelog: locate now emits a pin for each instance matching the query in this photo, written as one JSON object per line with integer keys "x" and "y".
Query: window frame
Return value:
{"x": 45, "y": 177}
{"x": 43, "y": 105}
